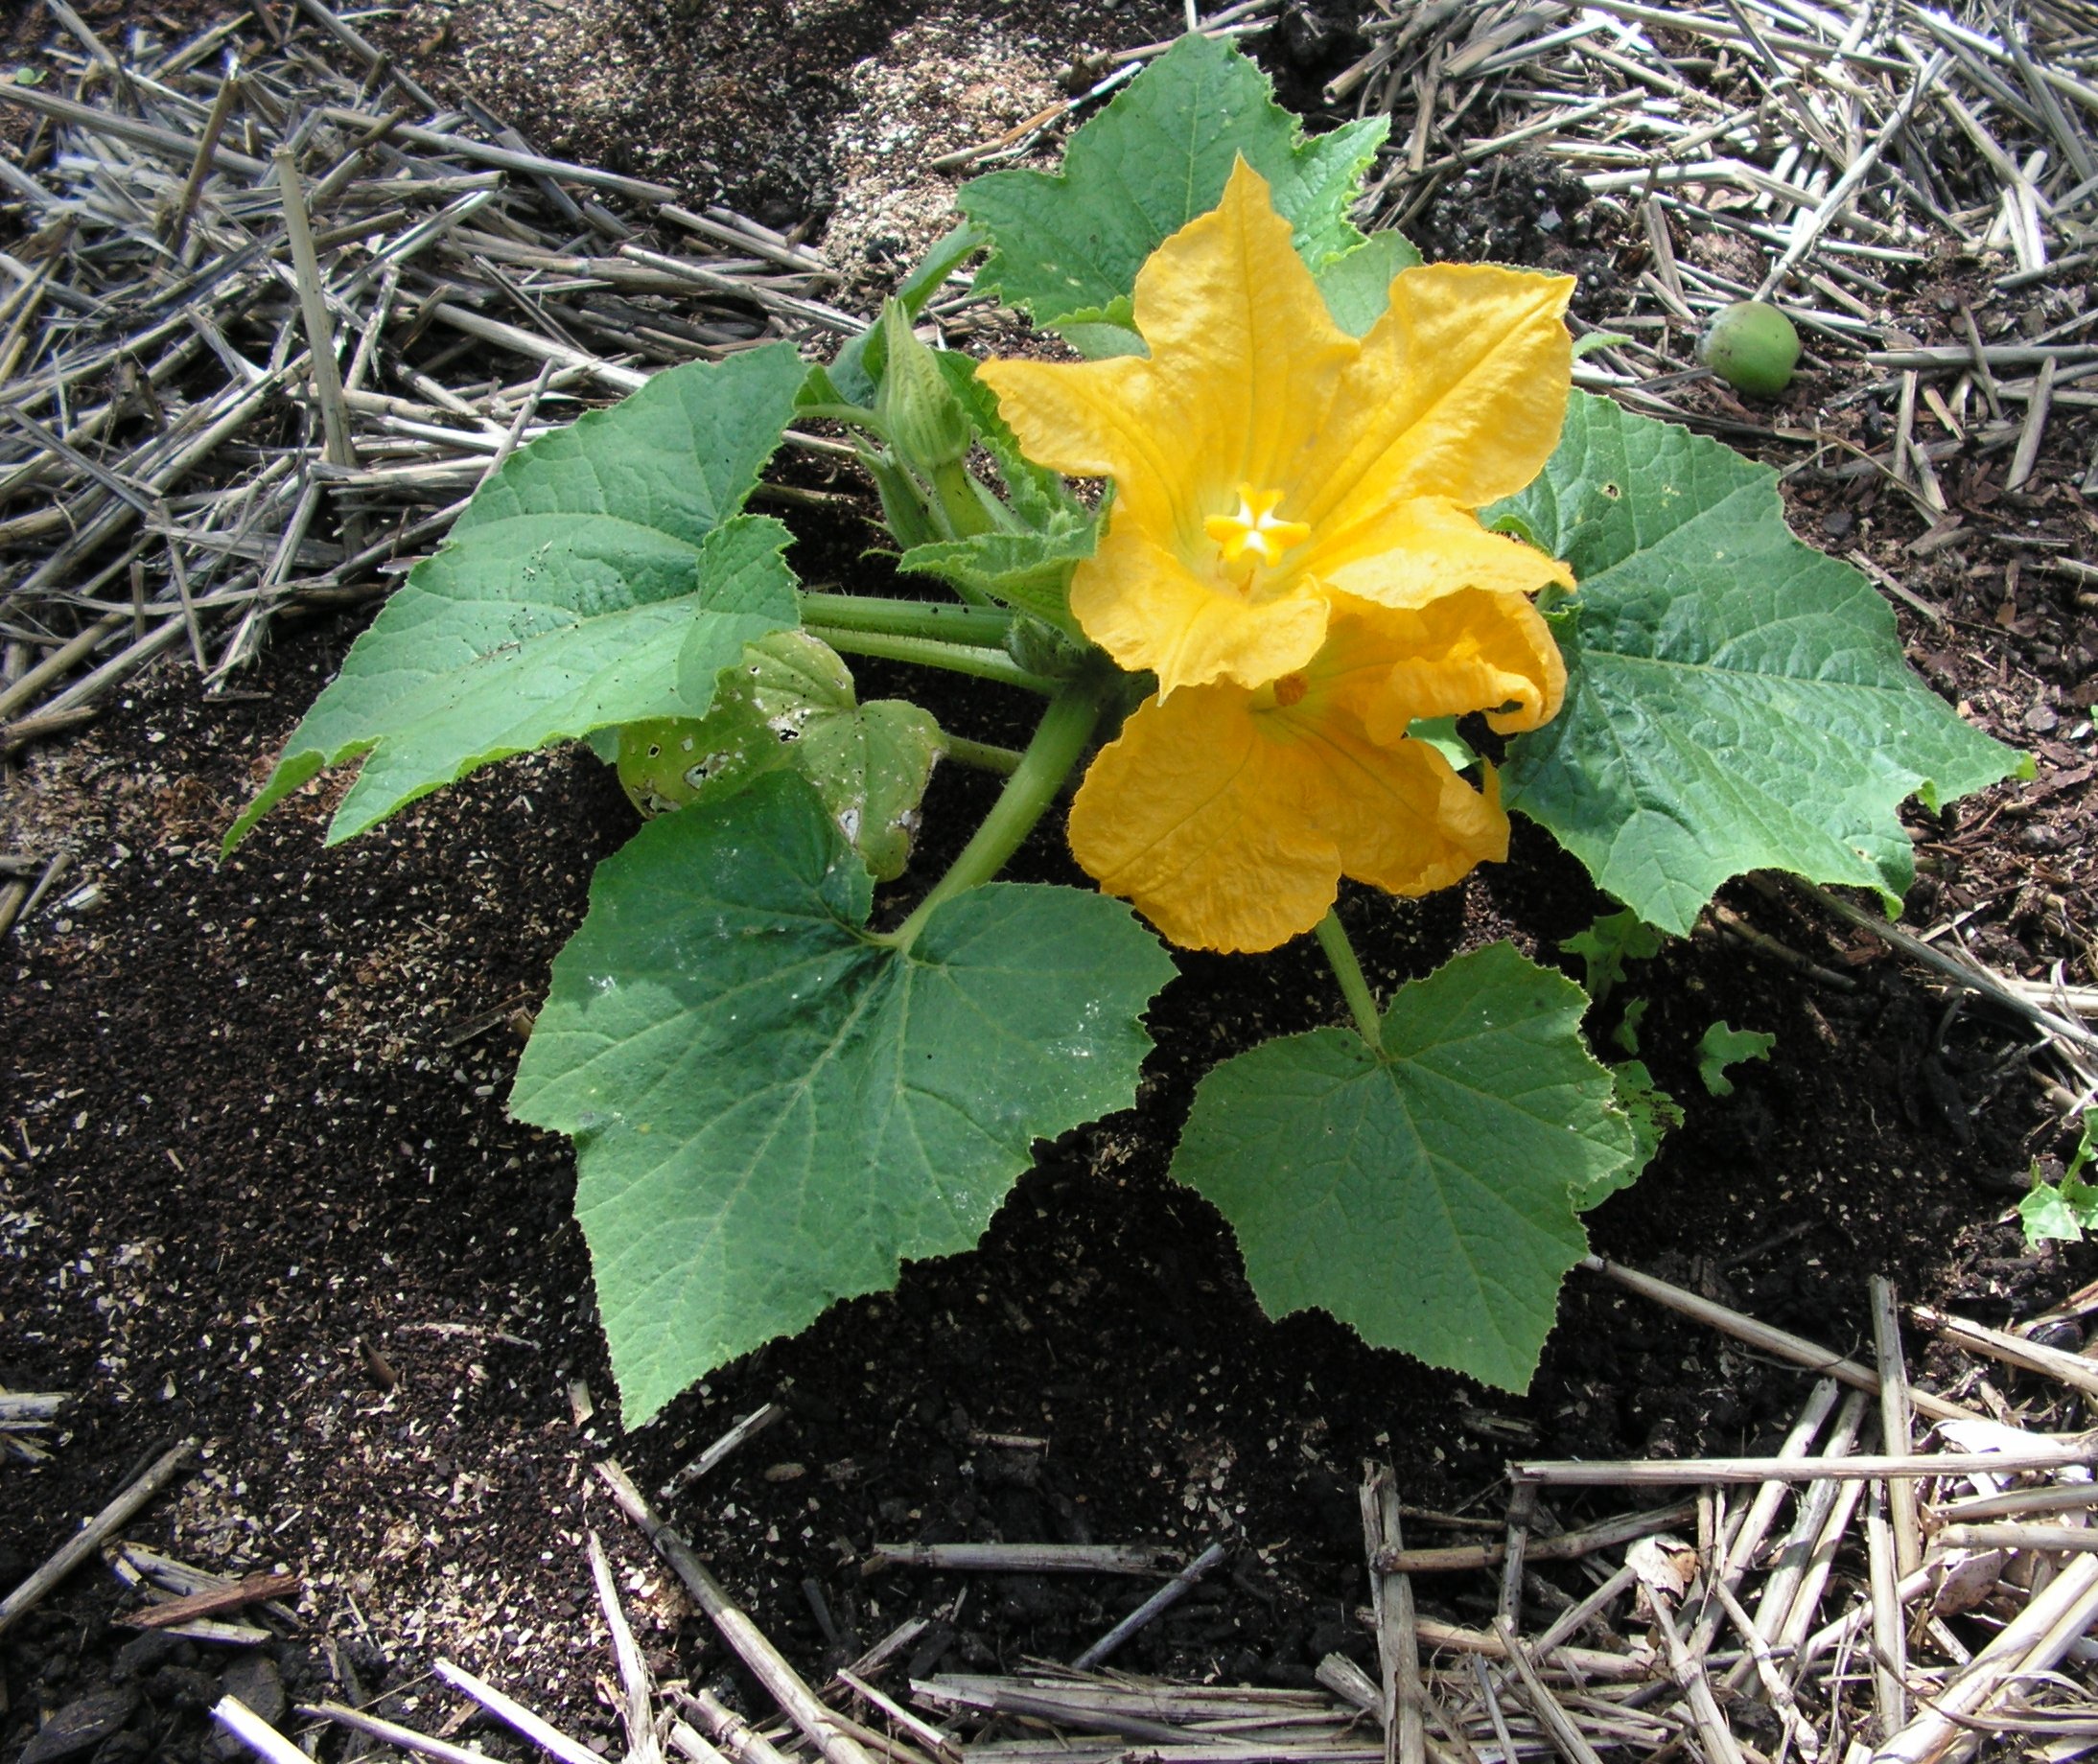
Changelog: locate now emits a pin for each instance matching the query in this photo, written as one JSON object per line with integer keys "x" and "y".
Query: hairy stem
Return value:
{"x": 932, "y": 651}
{"x": 979, "y": 627}
{"x": 1060, "y": 738}
{"x": 1333, "y": 938}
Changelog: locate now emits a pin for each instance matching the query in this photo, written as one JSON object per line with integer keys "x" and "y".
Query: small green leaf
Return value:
{"x": 1626, "y": 1033}
{"x": 1426, "y": 1196}
{"x": 1722, "y": 1045}
{"x": 567, "y": 594}
{"x": 1736, "y": 700}
{"x": 1358, "y": 283}
{"x": 1066, "y": 247}
{"x": 1653, "y": 1114}
{"x": 2071, "y": 1209}
{"x": 773, "y": 1110}
{"x": 1030, "y": 572}
{"x": 2045, "y": 1212}
{"x": 792, "y": 702}
{"x": 1608, "y": 944}
{"x": 870, "y": 769}
{"x": 1507, "y": 520}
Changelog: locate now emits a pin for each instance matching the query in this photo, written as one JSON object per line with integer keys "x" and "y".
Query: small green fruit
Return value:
{"x": 1752, "y": 347}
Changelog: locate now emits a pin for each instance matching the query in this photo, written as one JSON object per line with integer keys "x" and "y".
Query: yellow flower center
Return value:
{"x": 1253, "y": 527}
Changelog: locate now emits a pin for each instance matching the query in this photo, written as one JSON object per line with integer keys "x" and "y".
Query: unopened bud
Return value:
{"x": 925, "y": 422}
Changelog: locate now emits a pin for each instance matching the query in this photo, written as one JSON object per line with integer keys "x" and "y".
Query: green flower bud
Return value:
{"x": 927, "y": 427}
{"x": 1752, "y": 347}
{"x": 1043, "y": 649}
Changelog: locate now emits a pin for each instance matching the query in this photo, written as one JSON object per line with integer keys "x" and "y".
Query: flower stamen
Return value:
{"x": 1253, "y": 527}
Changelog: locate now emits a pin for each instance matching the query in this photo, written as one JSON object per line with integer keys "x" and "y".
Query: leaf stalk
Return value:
{"x": 1060, "y": 738}
{"x": 935, "y": 652}
{"x": 978, "y": 627}
{"x": 1348, "y": 969}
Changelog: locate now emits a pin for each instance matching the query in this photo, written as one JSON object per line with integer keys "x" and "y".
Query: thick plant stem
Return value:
{"x": 1060, "y": 738}
{"x": 933, "y": 652}
{"x": 1333, "y": 938}
{"x": 981, "y": 627}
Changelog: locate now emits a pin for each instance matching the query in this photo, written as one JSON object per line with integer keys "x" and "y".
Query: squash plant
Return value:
{"x": 1342, "y": 498}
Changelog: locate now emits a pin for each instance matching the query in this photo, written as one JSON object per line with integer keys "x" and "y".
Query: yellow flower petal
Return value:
{"x": 1228, "y": 815}
{"x": 1240, "y": 341}
{"x": 1405, "y": 823}
{"x": 1192, "y": 816}
{"x": 1466, "y": 652}
{"x": 1459, "y": 392}
{"x": 1417, "y": 551}
{"x": 1087, "y": 419}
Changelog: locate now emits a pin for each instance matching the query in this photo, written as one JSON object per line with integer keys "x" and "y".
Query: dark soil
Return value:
{"x": 257, "y": 1185}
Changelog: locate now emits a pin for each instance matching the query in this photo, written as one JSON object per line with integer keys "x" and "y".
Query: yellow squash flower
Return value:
{"x": 1228, "y": 814}
{"x": 1264, "y": 460}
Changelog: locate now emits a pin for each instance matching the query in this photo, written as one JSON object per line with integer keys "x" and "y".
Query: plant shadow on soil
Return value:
{"x": 258, "y": 1185}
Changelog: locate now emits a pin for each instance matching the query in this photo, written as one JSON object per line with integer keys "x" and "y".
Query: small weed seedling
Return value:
{"x": 1721, "y": 1046}
{"x": 2068, "y": 1208}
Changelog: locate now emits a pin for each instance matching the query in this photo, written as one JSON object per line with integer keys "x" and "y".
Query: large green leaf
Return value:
{"x": 792, "y": 702}
{"x": 1653, "y": 1114}
{"x": 1738, "y": 701}
{"x": 1427, "y": 1196}
{"x": 572, "y": 584}
{"x": 772, "y": 1109}
{"x": 1356, "y": 285}
{"x": 1066, "y": 246}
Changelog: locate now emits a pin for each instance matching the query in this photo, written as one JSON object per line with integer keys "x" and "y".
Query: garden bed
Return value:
{"x": 258, "y": 1185}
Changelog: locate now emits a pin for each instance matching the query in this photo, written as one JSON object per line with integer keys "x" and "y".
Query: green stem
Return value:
{"x": 964, "y": 511}
{"x": 1348, "y": 971}
{"x": 979, "y": 627}
{"x": 1060, "y": 738}
{"x": 984, "y": 756}
{"x": 856, "y": 417}
{"x": 932, "y": 651}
